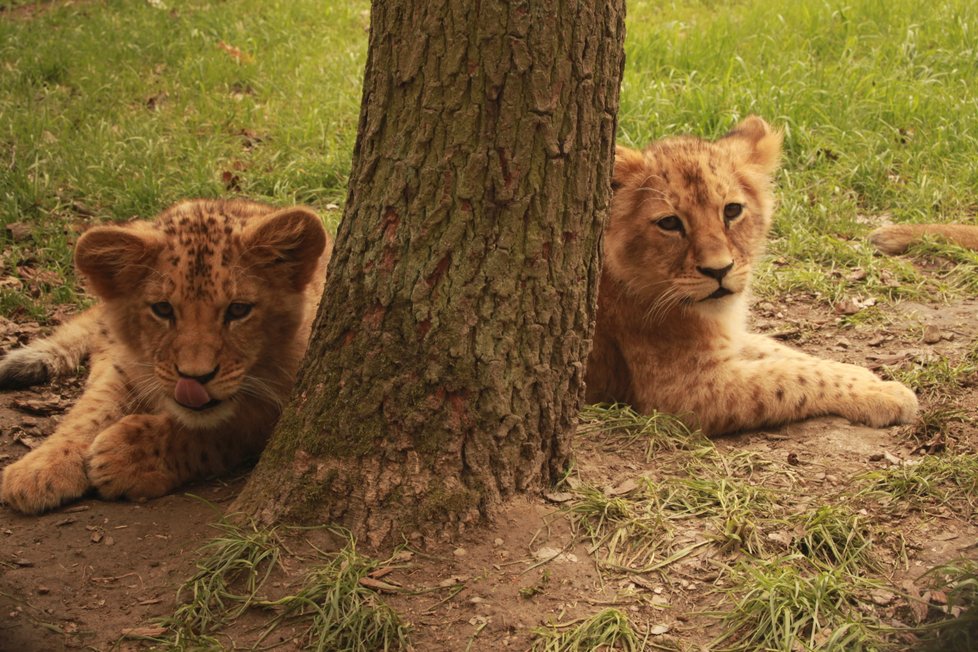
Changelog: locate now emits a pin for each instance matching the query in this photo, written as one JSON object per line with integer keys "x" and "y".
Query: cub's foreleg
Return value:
{"x": 54, "y": 472}
{"x": 767, "y": 384}
{"x": 149, "y": 455}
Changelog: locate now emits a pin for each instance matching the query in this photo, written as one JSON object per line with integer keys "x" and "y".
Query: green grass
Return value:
{"x": 834, "y": 537}
{"x": 933, "y": 481}
{"x": 117, "y": 110}
{"x": 231, "y": 570}
{"x": 957, "y": 630}
{"x": 608, "y": 630}
{"x": 335, "y": 609}
{"x": 782, "y": 604}
{"x": 618, "y": 425}
{"x": 344, "y": 614}
{"x": 876, "y": 100}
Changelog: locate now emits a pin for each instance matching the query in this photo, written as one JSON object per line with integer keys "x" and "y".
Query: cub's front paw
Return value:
{"x": 124, "y": 460}
{"x": 45, "y": 478}
{"x": 885, "y": 403}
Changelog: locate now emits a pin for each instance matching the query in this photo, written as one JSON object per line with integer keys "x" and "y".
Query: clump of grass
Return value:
{"x": 832, "y": 536}
{"x": 622, "y": 425}
{"x": 738, "y": 509}
{"x": 345, "y": 614}
{"x": 635, "y": 530}
{"x": 937, "y": 423}
{"x": 958, "y": 580}
{"x": 342, "y": 613}
{"x": 781, "y": 604}
{"x": 960, "y": 268}
{"x": 231, "y": 570}
{"x": 632, "y": 531}
{"x": 937, "y": 378}
{"x": 935, "y": 479}
{"x": 607, "y": 630}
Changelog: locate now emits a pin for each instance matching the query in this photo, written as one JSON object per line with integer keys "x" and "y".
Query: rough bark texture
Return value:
{"x": 446, "y": 366}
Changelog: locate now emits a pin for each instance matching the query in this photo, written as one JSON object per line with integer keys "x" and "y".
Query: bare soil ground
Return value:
{"x": 81, "y": 575}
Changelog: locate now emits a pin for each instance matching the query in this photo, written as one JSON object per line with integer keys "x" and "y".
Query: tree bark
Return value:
{"x": 446, "y": 366}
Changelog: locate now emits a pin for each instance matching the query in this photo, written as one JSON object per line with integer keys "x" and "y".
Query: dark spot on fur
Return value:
{"x": 779, "y": 394}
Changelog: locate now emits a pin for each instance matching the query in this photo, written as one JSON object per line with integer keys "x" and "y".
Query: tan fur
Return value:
{"x": 127, "y": 436}
{"x": 666, "y": 340}
{"x": 897, "y": 238}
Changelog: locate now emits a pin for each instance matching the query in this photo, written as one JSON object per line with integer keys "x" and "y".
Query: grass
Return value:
{"x": 938, "y": 377}
{"x": 957, "y": 630}
{"x": 834, "y": 537}
{"x": 934, "y": 480}
{"x": 782, "y": 604}
{"x": 607, "y": 630}
{"x": 621, "y": 426}
{"x": 231, "y": 569}
{"x": 219, "y": 99}
{"x": 340, "y": 613}
{"x": 345, "y": 614}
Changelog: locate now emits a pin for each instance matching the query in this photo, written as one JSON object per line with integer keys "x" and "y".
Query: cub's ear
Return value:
{"x": 116, "y": 259}
{"x": 288, "y": 242}
{"x": 757, "y": 143}
{"x": 628, "y": 162}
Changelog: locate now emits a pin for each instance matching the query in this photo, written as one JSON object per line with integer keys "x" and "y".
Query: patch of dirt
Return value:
{"x": 79, "y": 576}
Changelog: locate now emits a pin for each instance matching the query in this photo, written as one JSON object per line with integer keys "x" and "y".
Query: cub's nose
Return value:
{"x": 715, "y": 272}
{"x": 203, "y": 379}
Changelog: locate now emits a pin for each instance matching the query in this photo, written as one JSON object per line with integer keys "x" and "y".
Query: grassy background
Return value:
{"x": 115, "y": 109}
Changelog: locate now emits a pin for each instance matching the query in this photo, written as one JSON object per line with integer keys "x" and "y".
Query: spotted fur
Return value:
{"x": 688, "y": 219}
{"x": 128, "y": 436}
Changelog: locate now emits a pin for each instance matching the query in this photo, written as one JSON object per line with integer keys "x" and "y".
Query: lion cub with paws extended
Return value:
{"x": 204, "y": 317}
{"x": 688, "y": 219}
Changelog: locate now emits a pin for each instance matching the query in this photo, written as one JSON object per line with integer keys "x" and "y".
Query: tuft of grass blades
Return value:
{"x": 782, "y": 605}
{"x": 607, "y": 630}
{"x": 231, "y": 569}
{"x": 635, "y": 529}
{"x": 833, "y": 536}
{"x": 934, "y": 479}
{"x": 621, "y": 425}
{"x": 345, "y": 615}
{"x": 958, "y": 632}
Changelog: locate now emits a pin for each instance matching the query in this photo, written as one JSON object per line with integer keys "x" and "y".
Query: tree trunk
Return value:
{"x": 446, "y": 366}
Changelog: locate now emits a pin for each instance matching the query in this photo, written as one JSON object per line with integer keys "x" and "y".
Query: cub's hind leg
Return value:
{"x": 54, "y": 472}
{"x": 58, "y": 354}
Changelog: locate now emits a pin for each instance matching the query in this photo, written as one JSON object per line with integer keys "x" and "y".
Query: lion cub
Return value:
{"x": 204, "y": 318}
{"x": 688, "y": 219}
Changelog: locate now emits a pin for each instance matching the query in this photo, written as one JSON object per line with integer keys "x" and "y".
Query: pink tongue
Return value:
{"x": 190, "y": 393}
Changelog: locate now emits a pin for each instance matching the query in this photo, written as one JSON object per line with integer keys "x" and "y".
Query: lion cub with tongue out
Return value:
{"x": 204, "y": 318}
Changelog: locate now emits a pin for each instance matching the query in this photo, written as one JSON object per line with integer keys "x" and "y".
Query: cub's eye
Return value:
{"x": 163, "y": 310}
{"x": 732, "y": 211}
{"x": 237, "y": 311}
{"x": 670, "y": 223}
